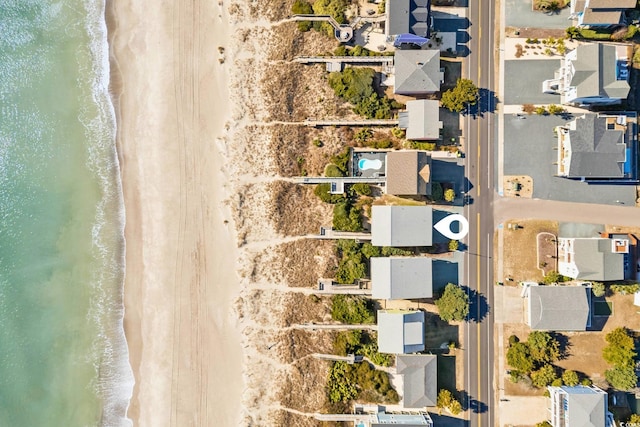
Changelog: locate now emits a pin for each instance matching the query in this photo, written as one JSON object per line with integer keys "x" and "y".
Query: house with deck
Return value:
{"x": 419, "y": 379}
{"x": 401, "y": 277}
{"x": 421, "y": 120}
{"x": 417, "y": 72}
{"x": 400, "y": 331}
{"x": 593, "y": 258}
{"x": 579, "y": 406}
{"x": 408, "y": 17}
{"x": 401, "y": 226}
{"x": 599, "y": 147}
{"x": 558, "y": 308}
{"x": 592, "y": 74}
{"x": 600, "y": 13}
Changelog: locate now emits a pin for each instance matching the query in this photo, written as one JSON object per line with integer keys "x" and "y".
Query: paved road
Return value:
{"x": 480, "y": 139}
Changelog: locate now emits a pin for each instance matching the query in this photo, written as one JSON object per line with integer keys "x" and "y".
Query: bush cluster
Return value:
{"x": 620, "y": 352}
{"x": 355, "y": 85}
{"x": 361, "y": 381}
{"x": 361, "y": 343}
{"x": 352, "y": 309}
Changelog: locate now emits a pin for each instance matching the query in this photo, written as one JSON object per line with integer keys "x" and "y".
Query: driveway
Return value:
{"x": 523, "y": 81}
{"x": 519, "y": 14}
{"x": 529, "y": 149}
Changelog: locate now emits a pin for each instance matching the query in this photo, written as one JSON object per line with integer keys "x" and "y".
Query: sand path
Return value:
{"x": 172, "y": 100}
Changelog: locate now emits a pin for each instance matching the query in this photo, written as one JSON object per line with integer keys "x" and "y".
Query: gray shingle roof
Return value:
{"x": 596, "y": 152}
{"x": 417, "y": 71}
{"x": 423, "y": 119}
{"x": 559, "y": 308}
{"x": 420, "y": 379}
{"x": 400, "y": 332}
{"x": 601, "y": 17}
{"x": 401, "y": 278}
{"x": 595, "y": 261}
{"x": 401, "y": 225}
{"x": 585, "y": 407}
{"x": 595, "y": 72}
{"x": 612, "y": 4}
{"x": 408, "y": 17}
{"x": 408, "y": 173}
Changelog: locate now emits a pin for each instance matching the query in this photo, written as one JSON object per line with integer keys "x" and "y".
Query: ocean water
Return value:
{"x": 63, "y": 355}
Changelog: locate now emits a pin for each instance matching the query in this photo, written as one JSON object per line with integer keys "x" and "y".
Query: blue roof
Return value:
{"x": 410, "y": 38}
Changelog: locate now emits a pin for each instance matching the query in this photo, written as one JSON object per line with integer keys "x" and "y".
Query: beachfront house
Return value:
{"x": 600, "y": 13}
{"x": 599, "y": 148}
{"x": 408, "y": 17}
{"x": 592, "y": 258}
{"x": 579, "y": 406}
{"x": 592, "y": 74}
{"x": 421, "y": 120}
{"x": 401, "y": 226}
{"x": 558, "y": 308}
{"x": 408, "y": 173}
{"x": 401, "y": 277}
{"x": 419, "y": 379}
{"x": 417, "y": 72}
{"x": 400, "y": 331}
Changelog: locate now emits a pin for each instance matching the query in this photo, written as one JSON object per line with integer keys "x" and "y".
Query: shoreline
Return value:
{"x": 182, "y": 334}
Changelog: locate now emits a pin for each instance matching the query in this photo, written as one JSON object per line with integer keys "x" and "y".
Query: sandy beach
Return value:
{"x": 172, "y": 101}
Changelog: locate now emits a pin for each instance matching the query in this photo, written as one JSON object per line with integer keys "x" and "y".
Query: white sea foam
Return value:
{"x": 111, "y": 356}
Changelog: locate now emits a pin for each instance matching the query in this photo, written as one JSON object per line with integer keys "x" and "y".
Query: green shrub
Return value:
{"x": 620, "y": 350}
{"x": 625, "y": 289}
{"x": 317, "y": 143}
{"x": 519, "y": 357}
{"x": 342, "y": 159}
{"x": 554, "y": 277}
{"x": 541, "y": 110}
{"x": 347, "y": 217}
{"x": 381, "y": 144}
{"x": 333, "y": 171}
{"x": 391, "y": 251}
{"x": 335, "y": 8}
{"x": 513, "y": 339}
{"x": 355, "y": 85}
{"x": 598, "y": 289}
{"x": 557, "y": 382}
{"x": 586, "y": 382}
{"x": 426, "y": 146}
{"x": 622, "y": 377}
{"x": 543, "y": 376}
{"x": 323, "y": 192}
{"x": 570, "y": 378}
{"x": 449, "y": 195}
{"x": 363, "y": 135}
{"x": 556, "y": 109}
{"x": 398, "y": 133}
{"x": 301, "y": 7}
{"x": 453, "y": 304}
{"x": 340, "y": 386}
{"x": 352, "y": 309}
{"x": 453, "y": 245}
{"x": 361, "y": 188}
{"x": 437, "y": 193}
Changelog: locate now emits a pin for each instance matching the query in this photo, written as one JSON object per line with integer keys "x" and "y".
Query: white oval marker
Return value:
{"x": 444, "y": 226}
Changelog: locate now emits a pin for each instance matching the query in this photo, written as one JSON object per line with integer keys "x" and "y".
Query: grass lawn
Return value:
{"x": 602, "y": 308}
{"x": 447, "y": 372}
{"x": 520, "y": 257}
{"x": 438, "y": 332}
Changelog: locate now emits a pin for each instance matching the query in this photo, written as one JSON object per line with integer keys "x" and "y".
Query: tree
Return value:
{"x": 544, "y": 424}
{"x": 361, "y": 188}
{"x": 556, "y": 109}
{"x": 553, "y": 277}
{"x": 634, "y": 418}
{"x": 463, "y": 94}
{"x": 622, "y": 377}
{"x": 543, "y": 376}
{"x": 302, "y": 7}
{"x": 436, "y": 191}
{"x": 541, "y": 110}
{"x": 573, "y": 32}
{"x": 543, "y": 347}
{"x": 453, "y": 245}
{"x": 445, "y": 400}
{"x": 453, "y": 304}
{"x": 621, "y": 348}
{"x": 598, "y": 289}
{"x": 351, "y": 309}
{"x": 519, "y": 357}
{"x": 570, "y": 378}
{"x": 449, "y": 195}
{"x": 347, "y": 217}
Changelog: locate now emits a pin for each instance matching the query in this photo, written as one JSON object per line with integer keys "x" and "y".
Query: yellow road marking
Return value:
{"x": 479, "y": 398}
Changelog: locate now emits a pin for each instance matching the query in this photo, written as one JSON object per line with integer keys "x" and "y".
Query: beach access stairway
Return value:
{"x": 334, "y": 326}
{"x": 343, "y": 33}
{"x": 350, "y": 359}
{"x": 328, "y": 233}
{"x": 329, "y": 286}
{"x": 335, "y": 63}
{"x": 366, "y": 122}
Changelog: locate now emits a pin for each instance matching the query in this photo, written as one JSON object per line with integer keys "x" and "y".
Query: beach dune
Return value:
{"x": 171, "y": 95}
